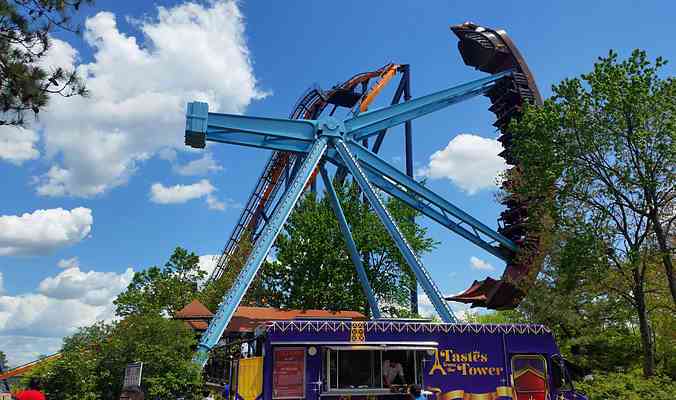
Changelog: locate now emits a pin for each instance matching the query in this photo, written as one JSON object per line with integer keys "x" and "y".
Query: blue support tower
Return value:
{"x": 351, "y": 245}
{"x": 339, "y": 142}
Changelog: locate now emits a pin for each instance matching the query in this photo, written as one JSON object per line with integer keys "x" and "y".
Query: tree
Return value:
{"x": 93, "y": 361}
{"x": 162, "y": 291}
{"x": 76, "y": 374}
{"x": 605, "y": 143}
{"x": 164, "y": 346}
{"x": 213, "y": 292}
{"x": 26, "y": 83}
{"x": 313, "y": 270}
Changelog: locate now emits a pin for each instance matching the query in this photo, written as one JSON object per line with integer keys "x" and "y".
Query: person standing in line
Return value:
{"x": 33, "y": 392}
{"x": 416, "y": 392}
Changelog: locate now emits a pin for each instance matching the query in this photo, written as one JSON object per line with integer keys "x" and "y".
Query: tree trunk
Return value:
{"x": 663, "y": 246}
{"x": 644, "y": 325}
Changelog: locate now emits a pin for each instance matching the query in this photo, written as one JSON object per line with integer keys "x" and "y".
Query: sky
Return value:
{"x": 98, "y": 188}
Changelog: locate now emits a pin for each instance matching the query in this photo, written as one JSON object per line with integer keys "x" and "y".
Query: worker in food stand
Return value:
{"x": 393, "y": 373}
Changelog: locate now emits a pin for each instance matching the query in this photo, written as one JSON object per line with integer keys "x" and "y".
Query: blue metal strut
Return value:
{"x": 313, "y": 138}
{"x": 351, "y": 245}
{"x": 424, "y": 278}
{"x": 260, "y": 250}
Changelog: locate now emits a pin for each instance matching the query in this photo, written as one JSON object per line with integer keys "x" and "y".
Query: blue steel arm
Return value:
{"x": 372, "y": 122}
{"x": 199, "y": 121}
{"x": 378, "y": 166}
{"x": 260, "y": 250}
{"x": 443, "y": 219}
{"x": 424, "y": 279}
{"x": 255, "y": 140}
{"x": 351, "y": 245}
{"x": 422, "y": 204}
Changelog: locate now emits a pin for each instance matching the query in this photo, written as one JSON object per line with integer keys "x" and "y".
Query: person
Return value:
{"x": 32, "y": 393}
{"x": 392, "y": 371}
{"x": 416, "y": 392}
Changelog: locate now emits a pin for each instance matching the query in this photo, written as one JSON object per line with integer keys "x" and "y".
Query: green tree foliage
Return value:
{"x": 212, "y": 294}
{"x": 93, "y": 360}
{"x": 313, "y": 269}
{"x": 629, "y": 386}
{"x": 605, "y": 143}
{"x": 495, "y": 317}
{"x": 25, "y": 82}
{"x": 162, "y": 291}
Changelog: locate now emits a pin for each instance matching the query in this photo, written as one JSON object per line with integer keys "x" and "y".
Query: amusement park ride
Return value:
{"x": 313, "y": 137}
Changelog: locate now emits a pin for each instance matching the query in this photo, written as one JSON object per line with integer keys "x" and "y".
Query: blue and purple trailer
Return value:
{"x": 370, "y": 360}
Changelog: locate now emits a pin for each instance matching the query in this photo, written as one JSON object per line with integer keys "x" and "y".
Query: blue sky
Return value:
{"x": 98, "y": 161}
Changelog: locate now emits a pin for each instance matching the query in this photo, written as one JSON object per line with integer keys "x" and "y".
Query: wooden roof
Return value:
{"x": 194, "y": 310}
{"x": 247, "y": 319}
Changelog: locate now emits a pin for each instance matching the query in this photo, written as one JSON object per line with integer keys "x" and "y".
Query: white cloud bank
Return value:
{"x": 477, "y": 263}
{"x": 91, "y": 288}
{"x": 17, "y": 144}
{"x": 469, "y": 161}
{"x": 179, "y": 194}
{"x": 34, "y": 323}
{"x": 66, "y": 263}
{"x": 200, "y": 166}
{"x": 42, "y": 231}
{"x": 139, "y": 91}
{"x": 426, "y": 309}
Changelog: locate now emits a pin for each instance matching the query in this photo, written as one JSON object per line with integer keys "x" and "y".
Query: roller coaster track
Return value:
{"x": 281, "y": 166}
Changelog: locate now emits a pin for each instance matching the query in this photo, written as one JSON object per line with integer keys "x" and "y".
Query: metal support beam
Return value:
{"x": 372, "y": 122}
{"x": 419, "y": 270}
{"x": 427, "y": 202}
{"x": 379, "y": 166}
{"x": 260, "y": 250}
{"x": 395, "y": 100}
{"x": 431, "y": 212}
{"x": 408, "y": 152}
{"x": 351, "y": 245}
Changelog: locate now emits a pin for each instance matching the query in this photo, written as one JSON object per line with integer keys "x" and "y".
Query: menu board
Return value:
{"x": 288, "y": 373}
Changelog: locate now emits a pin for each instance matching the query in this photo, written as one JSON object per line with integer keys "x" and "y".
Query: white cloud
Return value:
{"x": 139, "y": 91}
{"x": 42, "y": 231}
{"x": 215, "y": 204}
{"x": 92, "y": 288}
{"x": 477, "y": 263}
{"x": 178, "y": 194}
{"x": 25, "y": 349}
{"x": 426, "y": 309}
{"x": 208, "y": 263}
{"x": 66, "y": 263}
{"x": 18, "y": 144}
{"x": 167, "y": 153}
{"x": 33, "y": 323}
{"x": 469, "y": 161}
{"x": 200, "y": 166}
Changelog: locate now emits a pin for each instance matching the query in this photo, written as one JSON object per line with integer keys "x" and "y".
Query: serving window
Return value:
{"x": 350, "y": 369}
